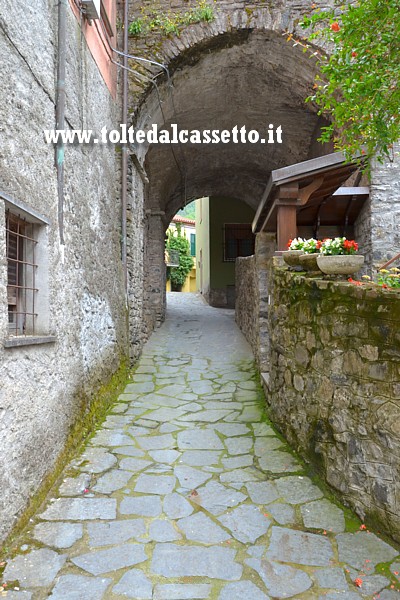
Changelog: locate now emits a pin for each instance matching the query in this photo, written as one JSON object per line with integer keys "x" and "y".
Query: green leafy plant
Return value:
{"x": 296, "y": 244}
{"x": 312, "y": 246}
{"x": 203, "y": 12}
{"x": 389, "y": 278}
{"x": 176, "y": 241}
{"x": 136, "y": 27}
{"x": 170, "y": 22}
{"x": 358, "y": 85}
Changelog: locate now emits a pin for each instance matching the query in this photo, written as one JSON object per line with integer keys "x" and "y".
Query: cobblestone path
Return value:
{"x": 187, "y": 493}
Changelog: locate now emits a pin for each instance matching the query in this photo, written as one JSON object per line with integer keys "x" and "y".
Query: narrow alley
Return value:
{"x": 186, "y": 492}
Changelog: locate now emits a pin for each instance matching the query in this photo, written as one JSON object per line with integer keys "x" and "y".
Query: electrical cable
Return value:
{"x": 102, "y": 41}
{"x": 154, "y": 83}
{"x": 152, "y": 80}
{"x": 146, "y": 60}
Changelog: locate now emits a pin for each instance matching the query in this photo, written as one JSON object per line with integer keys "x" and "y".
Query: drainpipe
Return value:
{"x": 60, "y": 112}
{"x": 124, "y": 154}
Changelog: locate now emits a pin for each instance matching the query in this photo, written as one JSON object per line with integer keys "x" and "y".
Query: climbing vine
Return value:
{"x": 358, "y": 85}
{"x": 177, "y": 241}
{"x": 169, "y": 22}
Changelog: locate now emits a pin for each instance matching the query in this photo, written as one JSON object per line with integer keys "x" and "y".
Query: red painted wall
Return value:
{"x": 98, "y": 41}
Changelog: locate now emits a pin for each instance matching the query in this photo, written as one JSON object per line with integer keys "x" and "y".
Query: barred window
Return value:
{"x": 27, "y": 277}
{"x": 238, "y": 241}
{"x": 21, "y": 275}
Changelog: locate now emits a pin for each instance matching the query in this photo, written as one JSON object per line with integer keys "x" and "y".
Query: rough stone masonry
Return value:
{"x": 92, "y": 324}
{"x": 45, "y": 388}
{"x": 332, "y": 377}
{"x": 186, "y": 491}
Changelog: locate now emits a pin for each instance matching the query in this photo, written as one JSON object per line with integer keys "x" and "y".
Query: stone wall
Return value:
{"x": 253, "y": 298}
{"x": 200, "y": 60}
{"x": 334, "y": 386}
{"x": 384, "y": 211}
{"x": 45, "y": 388}
{"x": 247, "y": 299}
{"x": 136, "y": 232}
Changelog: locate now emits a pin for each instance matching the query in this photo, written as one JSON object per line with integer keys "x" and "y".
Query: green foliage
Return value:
{"x": 358, "y": 86}
{"x": 312, "y": 246}
{"x": 204, "y": 12}
{"x": 389, "y": 278}
{"x": 170, "y": 22}
{"x": 189, "y": 211}
{"x": 176, "y": 241}
{"x": 136, "y": 27}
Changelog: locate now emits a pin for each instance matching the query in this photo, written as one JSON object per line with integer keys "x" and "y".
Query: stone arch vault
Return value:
{"x": 237, "y": 70}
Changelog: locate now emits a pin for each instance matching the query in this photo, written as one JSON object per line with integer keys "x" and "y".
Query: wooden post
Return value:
{"x": 287, "y": 224}
{"x": 286, "y": 204}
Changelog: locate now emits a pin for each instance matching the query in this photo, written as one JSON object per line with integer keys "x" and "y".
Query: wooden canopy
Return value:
{"x": 309, "y": 194}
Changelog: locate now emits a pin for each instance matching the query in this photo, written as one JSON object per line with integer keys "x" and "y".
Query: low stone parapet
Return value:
{"x": 334, "y": 386}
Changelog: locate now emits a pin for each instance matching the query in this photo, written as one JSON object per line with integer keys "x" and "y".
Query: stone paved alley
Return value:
{"x": 187, "y": 493}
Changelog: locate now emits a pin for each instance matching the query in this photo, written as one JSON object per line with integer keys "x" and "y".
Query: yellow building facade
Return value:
{"x": 188, "y": 230}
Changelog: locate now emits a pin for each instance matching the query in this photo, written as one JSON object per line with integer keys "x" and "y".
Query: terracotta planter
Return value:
{"x": 292, "y": 257}
{"x": 342, "y": 264}
{"x": 309, "y": 261}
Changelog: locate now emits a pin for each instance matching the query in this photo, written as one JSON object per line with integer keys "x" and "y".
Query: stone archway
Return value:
{"x": 237, "y": 71}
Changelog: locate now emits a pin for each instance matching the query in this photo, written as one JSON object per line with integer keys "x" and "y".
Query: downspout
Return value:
{"x": 124, "y": 154}
{"x": 60, "y": 112}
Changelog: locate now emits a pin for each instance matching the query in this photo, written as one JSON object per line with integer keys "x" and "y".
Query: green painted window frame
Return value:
{"x": 192, "y": 244}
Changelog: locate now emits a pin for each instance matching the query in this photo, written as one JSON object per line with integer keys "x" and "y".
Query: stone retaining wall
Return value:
{"x": 246, "y": 313}
{"x": 334, "y": 387}
{"x": 252, "y": 298}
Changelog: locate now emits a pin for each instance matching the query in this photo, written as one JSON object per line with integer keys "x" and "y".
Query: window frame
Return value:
{"x": 21, "y": 243}
{"x": 16, "y": 210}
{"x": 229, "y": 227}
{"x": 192, "y": 242}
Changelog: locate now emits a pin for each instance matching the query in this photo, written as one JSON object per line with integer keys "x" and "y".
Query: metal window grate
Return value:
{"x": 238, "y": 241}
{"x": 21, "y": 275}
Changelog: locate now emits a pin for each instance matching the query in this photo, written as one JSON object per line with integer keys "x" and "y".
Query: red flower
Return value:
{"x": 358, "y": 582}
{"x": 350, "y": 245}
{"x": 354, "y": 282}
{"x": 319, "y": 244}
{"x": 354, "y": 54}
{"x": 289, "y": 242}
{"x": 335, "y": 26}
